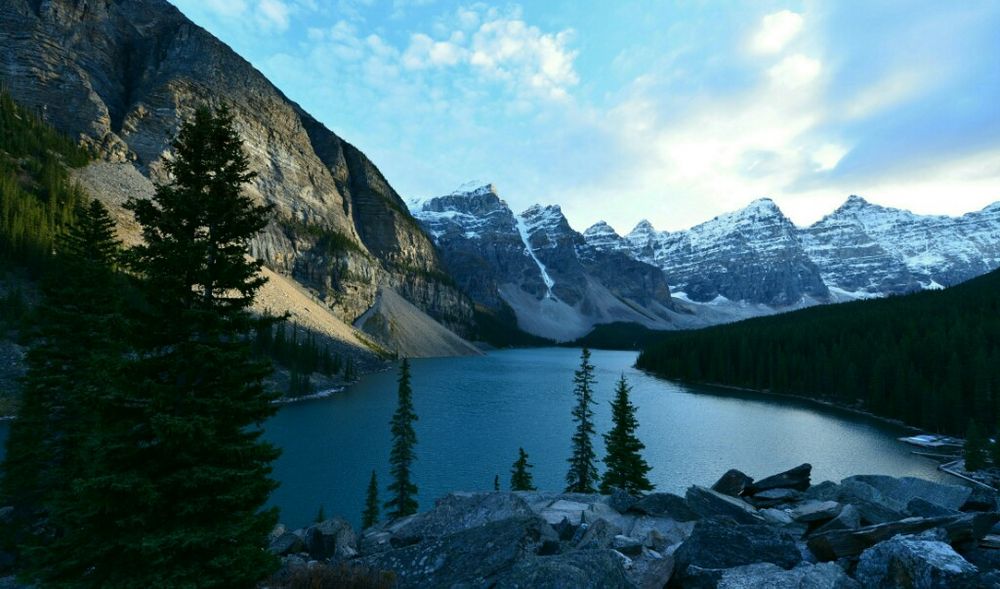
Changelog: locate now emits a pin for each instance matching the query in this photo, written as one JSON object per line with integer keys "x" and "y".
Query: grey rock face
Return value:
{"x": 708, "y": 503}
{"x": 665, "y": 505}
{"x": 586, "y": 569}
{"x": 333, "y": 538}
{"x": 922, "y": 561}
{"x": 717, "y": 544}
{"x": 122, "y": 76}
{"x": 820, "y": 576}
{"x": 557, "y": 285}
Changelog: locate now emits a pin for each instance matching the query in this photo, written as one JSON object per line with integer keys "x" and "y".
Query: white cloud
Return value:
{"x": 776, "y": 31}
{"x": 425, "y": 52}
{"x": 892, "y": 90}
{"x": 828, "y": 155}
{"x": 511, "y": 50}
{"x": 795, "y": 71}
{"x": 273, "y": 15}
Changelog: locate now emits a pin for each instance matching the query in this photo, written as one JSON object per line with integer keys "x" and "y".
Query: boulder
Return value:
{"x": 874, "y": 507}
{"x": 718, "y": 544}
{"x": 770, "y": 576}
{"x": 599, "y": 535}
{"x": 920, "y": 507}
{"x": 584, "y": 569}
{"x": 651, "y": 571}
{"x": 981, "y": 499}
{"x": 815, "y": 511}
{"x": 849, "y": 518}
{"x": 333, "y": 538}
{"x": 776, "y": 516}
{"x": 602, "y": 511}
{"x": 565, "y": 530}
{"x": 571, "y": 511}
{"x": 476, "y": 556}
{"x": 659, "y": 533}
{"x": 456, "y": 512}
{"x": 627, "y": 545}
{"x": 734, "y": 483}
{"x": 708, "y": 503}
{"x": 664, "y": 505}
{"x": 620, "y": 500}
{"x": 773, "y": 497}
{"x": 922, "y": 561}
{"x": 897, "y": 492}
{"x": 958, "y": 528}
{"x": 825, "y": 491}
{"x": 285, "y": 544}
{"x": 796, "y": 478}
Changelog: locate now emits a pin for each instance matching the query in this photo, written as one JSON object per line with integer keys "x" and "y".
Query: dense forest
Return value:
{"x": 37, "y": 198}
{"x": 931, "y": 359}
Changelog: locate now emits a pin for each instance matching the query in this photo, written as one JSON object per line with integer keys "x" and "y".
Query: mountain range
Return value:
{"x": 346, "y": 256}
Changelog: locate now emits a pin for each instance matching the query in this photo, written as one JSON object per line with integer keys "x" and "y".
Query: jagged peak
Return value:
{"x": 601, "y": 228}
{"x": 475, "y": 188}
{"x": 643, "y": 227}
{"x": 764, "y": 205}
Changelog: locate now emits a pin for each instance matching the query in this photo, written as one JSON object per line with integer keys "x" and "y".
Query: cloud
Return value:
{"x": 776, "y": 31}
{"x": 521, "y": 55}
{"x": 795, "y": 71}
{"x": 273, "y": 15}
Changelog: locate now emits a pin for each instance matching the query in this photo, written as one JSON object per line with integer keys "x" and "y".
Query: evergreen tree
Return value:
{"x": 626, "y": 469}
{"x": 320, "y": 515}
{"x": 404, "y": 438}
{"x": 369, "y": 517}
{"x": 520, "y": 477}
{"x": 582, "y": 474}
{"x": 975, "y": 448}
{"x": 76, "y": 355}
{"x": 995, "y": 449}
{"x": 496, "y": 482}
{"x": 176, "y": 485}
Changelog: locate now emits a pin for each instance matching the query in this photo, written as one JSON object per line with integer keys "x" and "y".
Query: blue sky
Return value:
{"x": 670, "y": 111}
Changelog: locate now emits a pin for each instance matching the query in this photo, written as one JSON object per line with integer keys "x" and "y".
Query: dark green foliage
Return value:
{"x": 37, "y": 199}
{"x": 582, "y": 475}
{"x": 320, "y": 515}
{"x": 496, "y": 482}
{"x": 75, "y": 358}
{"x": 299, "y": 352}
{"x": 520, "y": 474}
{"x": 403, "y": 501}
{"x": 499, "y": 329}
{"x": 931, "y": 359}
{"x": 994, "y": 449}
{"x": 618, "y": 336}
{"x": 15, "y": 309}
{"x": 626, "y": 468}
{"x": 328, "y": 242}
{"x": 334, "y": 576}
{"x": 975, "y": 448}
{"x": 369, "y": 517}
{"x": 178, "y": 475}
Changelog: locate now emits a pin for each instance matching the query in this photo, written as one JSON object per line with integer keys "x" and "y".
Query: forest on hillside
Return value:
{"x": 930, "y": 359}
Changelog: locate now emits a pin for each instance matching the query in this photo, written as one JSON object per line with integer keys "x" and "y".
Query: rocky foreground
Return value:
{"x": 777, "y": 532}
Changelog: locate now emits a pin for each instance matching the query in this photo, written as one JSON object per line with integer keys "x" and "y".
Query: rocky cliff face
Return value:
{"x": 558, "y": 285}
{"x": 122, "y": 75}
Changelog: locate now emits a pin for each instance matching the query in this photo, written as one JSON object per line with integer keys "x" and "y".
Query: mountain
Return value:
{"x": 557, "y": 285}
{"x": 121, "y": 75}
{"x": 756, "y": 261}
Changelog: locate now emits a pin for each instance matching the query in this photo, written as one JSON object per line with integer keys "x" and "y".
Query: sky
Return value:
{"x": 671, "y": 111}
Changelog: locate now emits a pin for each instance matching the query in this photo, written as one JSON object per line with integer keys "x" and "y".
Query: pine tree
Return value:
{"x": 176, "y": 488}
{"x": 995, "y": 449}
{"x": 520, "y": 478}
{"x": 404, "y": 438}
{"x": 582, "y": 473}
{"x": 320, "y": 515}
{"x": 369, "y": 517}
{"x": 626, "y": 469}
{"x": 496, "y": 482}
{"x": 975, "y": 448}
{"x": 77, "y": 354}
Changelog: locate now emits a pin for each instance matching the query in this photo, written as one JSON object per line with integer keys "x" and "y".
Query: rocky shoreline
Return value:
{"x": 779, "y": 531}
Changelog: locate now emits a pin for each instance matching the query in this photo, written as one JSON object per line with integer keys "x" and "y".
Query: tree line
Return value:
{"x": 930, "y": 359}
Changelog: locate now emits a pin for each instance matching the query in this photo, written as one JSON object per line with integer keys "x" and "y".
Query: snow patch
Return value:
{"x": 522, "y": 230}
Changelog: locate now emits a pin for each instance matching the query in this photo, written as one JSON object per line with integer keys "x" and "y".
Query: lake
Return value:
{"x": 475, "y": 412}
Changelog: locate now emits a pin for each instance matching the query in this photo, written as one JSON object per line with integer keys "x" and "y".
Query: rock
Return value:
{"x": 476, "y": 556}
{"x": 665, "y": 505}
{"x": 565, "y": 530}
{"x": 915, "y": 561}
{"x": 770, "y": 576}
{"x": 716, "y": 544}
{"x": 564, "y": 509}
{"x": 773, "y": 497}
{"x": 602, "y": 511}
{"x": 585, "y": 569}
{"x": 776, "y": 516}
{"x": 897, "y": 492}
{"x": 456, "y": 512}
{"x": 333, "y": 538}
{"x": 286, "y": 544}
{"x": 549, "y": 547}
{"x": 734, "y": 483}
{"x": 652, "y": 572}
{"x": 920, "y": 507}
{"x": 981, "y": 499}
{"x": 840, "y": 543}
{"x": 796, "y": 478}
{"x": 870, "y": 503}
{"x": 621, "y": 501}
{"x": 825, "y": 491}
{"x": 815, "y": 511}
{"x": 599, "y": 535}
{"x": 849, "y": 518}
{"x": 708, "y": 503}
{"x": 627, "y": 545}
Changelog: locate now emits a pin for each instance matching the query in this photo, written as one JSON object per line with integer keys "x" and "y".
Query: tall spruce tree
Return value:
{"x": 403, "y": 490}
{"x": 582, "y": 475}
{"x": 369, "y": 517}
{"x": 626, "y": 468}
{"x": 77, "y": 352}
{"x": 520, "y": 475}
{"x": 176, "y": 490}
